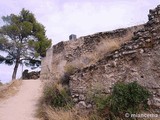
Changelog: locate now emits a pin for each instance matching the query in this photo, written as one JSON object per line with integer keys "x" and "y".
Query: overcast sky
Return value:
{"x": 81, "y": 17}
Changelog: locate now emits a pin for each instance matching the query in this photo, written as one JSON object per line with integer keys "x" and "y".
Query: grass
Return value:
{"x": 56, "y": 104}
{"x": 61, "y": 114}
{"x": 105, "y": 46}
{"x": 110, "y": 45}
{"x": 9, "y": 89}
{"x": 87, "y": 59}
{"x": 70, "y": 68}
{"x": 50, "y": 113}
{"x": 55, "y": 96}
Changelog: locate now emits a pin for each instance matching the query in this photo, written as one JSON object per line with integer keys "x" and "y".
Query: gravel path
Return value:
{"x": 22, "y": 106}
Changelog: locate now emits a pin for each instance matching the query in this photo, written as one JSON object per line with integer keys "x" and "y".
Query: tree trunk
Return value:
{"x": 15, "y": 69}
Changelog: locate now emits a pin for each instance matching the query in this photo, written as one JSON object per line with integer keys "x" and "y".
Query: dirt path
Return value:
{"x": 22, "y": 106}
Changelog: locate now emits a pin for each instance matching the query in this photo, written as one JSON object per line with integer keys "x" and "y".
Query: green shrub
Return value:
{"x": 56, "y": 96}
{"x": 125, "y": 98}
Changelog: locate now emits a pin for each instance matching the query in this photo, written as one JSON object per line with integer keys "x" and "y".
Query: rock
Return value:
{"x": 158, "y": 92}
{"x": 148, "y": 40}
{"x": 34, "y": 77}
{"x": 76, "y": 95}
{"x": 82, "y": 97}
{"x": 75, "y": 100}
{"x": 30, "y": 75}
{"x": 58, "y": 48}
{"x": 149, "y": 102}
{"x": 81, "y": 105}
{"x": 129, "y": 52}
{"x": 155, "y": 102}
{"x": 141, "y": 51}
{"x": 154, "y": 34}
{"x": 25, "y": 74}
{"x": 89, "y": 106}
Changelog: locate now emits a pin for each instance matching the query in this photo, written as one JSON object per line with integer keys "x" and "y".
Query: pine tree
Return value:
{"x": 23, "y": 39}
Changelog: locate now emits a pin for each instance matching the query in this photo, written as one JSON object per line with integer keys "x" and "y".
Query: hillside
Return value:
{"x": 102, "y": 59}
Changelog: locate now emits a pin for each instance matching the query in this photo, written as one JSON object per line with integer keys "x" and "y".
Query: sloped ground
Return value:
{"x": 22, "y": 106}
{"x": 10, "y": 89}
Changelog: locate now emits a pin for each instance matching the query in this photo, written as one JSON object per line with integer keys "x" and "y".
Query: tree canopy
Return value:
{"x": 23, "y": 38}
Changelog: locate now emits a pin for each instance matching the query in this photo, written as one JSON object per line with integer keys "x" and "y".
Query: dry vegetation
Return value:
{"x": 70, "y": 68}
{"x": 64, "y": 68}
{"x": 109, "y": 45}
{"x": 88, "y": 58}
{"x": 105, "y": 46}
{"x": 61, "y": 114}
{"x": 55, "y": 104}
{"x": 9, "y": 89}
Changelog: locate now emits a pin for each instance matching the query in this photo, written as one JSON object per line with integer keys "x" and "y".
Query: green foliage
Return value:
{"x": 23, "y": 38}
{"x": 22, "y": 29}
{"x": 125, "y": 98}
{"x": 56, "y": 96}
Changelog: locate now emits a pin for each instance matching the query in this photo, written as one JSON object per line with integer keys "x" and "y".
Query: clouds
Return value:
{"x": 63, "y": 17}
{"x": 81, "y": 17}
{"x": 88, "y": 17}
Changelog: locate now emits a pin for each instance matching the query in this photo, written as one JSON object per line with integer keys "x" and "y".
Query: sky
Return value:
{"x": 81, "y": 17}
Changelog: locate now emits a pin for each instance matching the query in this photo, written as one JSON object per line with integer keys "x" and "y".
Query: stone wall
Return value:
{"x": 137, "y": 60}
{"x": 74, "y": 50}
{"x": 46, "y": 65}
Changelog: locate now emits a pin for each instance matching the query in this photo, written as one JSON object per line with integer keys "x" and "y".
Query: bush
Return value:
{"x": 69, "y": 70}
{"x": 56, "y": 96}
{"x": 125, "y": 98}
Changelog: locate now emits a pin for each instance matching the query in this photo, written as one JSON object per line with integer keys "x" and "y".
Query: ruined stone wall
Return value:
{"x": 46, "y": 65}
{"x": 77, "y": 50}
{"x": 137, "y": 60}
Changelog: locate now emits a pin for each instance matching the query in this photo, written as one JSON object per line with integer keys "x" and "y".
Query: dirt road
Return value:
{"x": 22, "y": 106}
